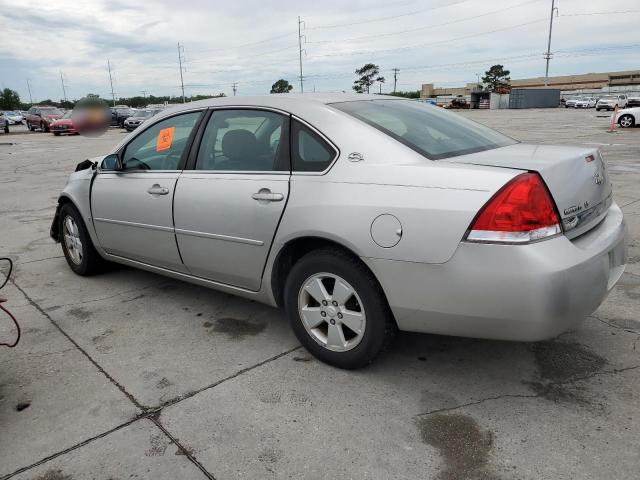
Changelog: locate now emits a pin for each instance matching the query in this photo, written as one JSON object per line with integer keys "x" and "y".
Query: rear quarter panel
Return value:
{"x": 434, "y": 201}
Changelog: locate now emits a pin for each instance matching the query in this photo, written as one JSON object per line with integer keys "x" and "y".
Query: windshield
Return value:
{"x": 50, "y": 111}
{"x": 608, "y": 98}
{"x": 427, "y": 129}
{"x": 142, "y": 113}
{"x": 68, "y": 114}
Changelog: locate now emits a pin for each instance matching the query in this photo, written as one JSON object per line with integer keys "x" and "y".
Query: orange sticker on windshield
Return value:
{"x": 165, "y": 137}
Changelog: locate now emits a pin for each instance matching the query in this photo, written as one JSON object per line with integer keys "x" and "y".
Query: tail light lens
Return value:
{"x": 522, "y": 211}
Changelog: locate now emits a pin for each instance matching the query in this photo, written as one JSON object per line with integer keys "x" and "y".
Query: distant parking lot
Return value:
{"x": 133, "y": 375}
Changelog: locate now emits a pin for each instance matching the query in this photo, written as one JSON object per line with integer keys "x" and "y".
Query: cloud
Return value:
{"x": 255, "y": 42}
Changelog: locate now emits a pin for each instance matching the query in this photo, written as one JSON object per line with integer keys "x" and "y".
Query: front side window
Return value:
{"x": 161, "y": 146}
{"x": 309, "y": 152}
{"x": 244, "y": 140}
{"x": 426, "y": 129}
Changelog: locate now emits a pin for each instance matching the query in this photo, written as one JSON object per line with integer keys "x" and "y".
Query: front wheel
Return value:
{"x": 57, "y": 134}
{"x": 337, "y": 309}
{"x": 626, "y": 121}
{"x": 77, "y": 247}
{"x": 6, "y": 128}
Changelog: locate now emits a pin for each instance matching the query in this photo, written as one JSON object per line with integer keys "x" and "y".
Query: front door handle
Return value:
{"x": 265, "y": 195}
{"x": 158, "y": 190}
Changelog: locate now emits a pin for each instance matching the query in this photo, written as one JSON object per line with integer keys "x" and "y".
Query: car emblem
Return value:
{"x": 597, "y": 178}
{"x": 572, "y": 209}
{"x": 355, "y": 157}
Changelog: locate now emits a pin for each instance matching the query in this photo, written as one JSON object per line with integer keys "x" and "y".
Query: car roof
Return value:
{"x": 290, "y": 102}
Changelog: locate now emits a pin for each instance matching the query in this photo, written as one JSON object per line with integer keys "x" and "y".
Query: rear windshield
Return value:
{"x": 51, "y": 111}
{"x": 429, "y": 130}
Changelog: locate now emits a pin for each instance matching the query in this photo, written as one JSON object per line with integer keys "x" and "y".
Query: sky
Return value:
{"x": 255, "y": 43}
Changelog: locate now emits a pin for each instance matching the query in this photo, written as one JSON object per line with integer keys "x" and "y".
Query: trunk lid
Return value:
{"x": 576, "y": 177}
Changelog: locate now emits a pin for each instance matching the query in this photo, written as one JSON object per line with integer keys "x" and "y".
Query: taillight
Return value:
{"x": 522, "y": 211}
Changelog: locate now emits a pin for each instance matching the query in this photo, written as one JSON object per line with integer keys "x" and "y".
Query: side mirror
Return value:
{"x": 112, "y": 162}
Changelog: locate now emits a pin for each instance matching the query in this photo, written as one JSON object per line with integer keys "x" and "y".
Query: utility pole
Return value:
{"x": 29, "y": 89}
{"x": 180, "y": 51}
{"x": 234, "y": 86}
{"x": 113, "y": 97}
{"x": 395, "y": 78}
{"x": 300, "y": 22}
{"x": 144, "y": 93}
{"x": 548, "y": 54}
{"x": 64, "y": 91}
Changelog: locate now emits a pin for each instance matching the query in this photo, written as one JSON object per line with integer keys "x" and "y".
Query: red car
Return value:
{"x": 41, "y": 116}
{"x": 63, "y": 125}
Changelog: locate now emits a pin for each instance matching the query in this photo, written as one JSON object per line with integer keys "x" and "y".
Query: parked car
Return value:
{"x": 4, "y": 123}
{"x": 570, "y": 102}
{"x": 610, "y": 102}
{"x": 585, "y": 102}
{"x": 138, "y": 118}
{"x": 15, "y": 118}
{"x": 633, "y": 102}
{"x": 119, "y": 114}
{"x": 65, "y": 124}
{"x": 628, "y": 117}
{"x": 41, "y": 117}
{"x": 358, "y": 215}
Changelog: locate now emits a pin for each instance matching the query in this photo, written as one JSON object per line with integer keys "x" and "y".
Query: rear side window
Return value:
{"x": 428, "y": 130}
{"x": 160, "y": 147}
{"x": 309, "y": 151}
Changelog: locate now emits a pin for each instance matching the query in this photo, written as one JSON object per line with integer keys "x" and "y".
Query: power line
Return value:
{"x": 429, "y": 44}
{"x": 388, "y": 17}
{"x": 598, "y": 13}
{"x": 426, "y": 27}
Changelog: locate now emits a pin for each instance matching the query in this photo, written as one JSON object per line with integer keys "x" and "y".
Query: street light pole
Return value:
{"x": 548, "y": 54}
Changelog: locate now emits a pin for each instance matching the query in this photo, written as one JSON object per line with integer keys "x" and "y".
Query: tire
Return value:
{"x": 627, "y": 121}
{"x": 57, "y": 134}
{"x": 87, "y": 261}
{"x": 366, "y": 304}
{"x": 6, "y": 128}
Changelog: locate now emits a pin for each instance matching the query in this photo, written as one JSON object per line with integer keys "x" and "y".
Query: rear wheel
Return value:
{"x": 337, "y": 309}
{"x": 77, "y": 247}
{"x": 627, "y": 121}
{"x": 57, "y": 134}
{"x": 6, "y": 128}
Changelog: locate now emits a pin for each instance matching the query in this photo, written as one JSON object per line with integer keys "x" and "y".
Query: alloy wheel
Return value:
{"x": 331, "y": 312}
{"x": 626, "y": 121}
{"x": 72, "y": 240}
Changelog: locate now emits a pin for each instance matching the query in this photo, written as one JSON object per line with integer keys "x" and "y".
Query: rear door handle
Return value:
{"x": 265, "y": 195}
{"x": 158, "y": 190}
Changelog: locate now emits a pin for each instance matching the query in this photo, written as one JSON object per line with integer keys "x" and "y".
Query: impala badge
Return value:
{"x": 355, "y": 157}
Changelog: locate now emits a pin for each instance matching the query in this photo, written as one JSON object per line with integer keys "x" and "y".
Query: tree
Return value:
{"x": 497, "y": 79}
{"x": 368, "y": 76}
{"x": 281, "y": 86}
{"x": 9, "y": 99}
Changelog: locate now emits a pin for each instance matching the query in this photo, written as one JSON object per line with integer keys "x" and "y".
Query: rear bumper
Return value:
{"x": 523, "y": 292}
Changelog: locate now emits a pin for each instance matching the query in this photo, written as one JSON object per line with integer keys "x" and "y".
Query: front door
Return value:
{"x": 132, "y": 208}
{"x": 227, "y": 208}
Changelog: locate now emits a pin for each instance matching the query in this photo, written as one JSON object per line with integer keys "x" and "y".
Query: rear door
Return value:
{"x": 132, "y": 209}
{"x": 228, "y": 206}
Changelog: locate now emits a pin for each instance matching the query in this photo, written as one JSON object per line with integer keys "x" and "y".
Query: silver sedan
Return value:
{"x": 360, "y": 215}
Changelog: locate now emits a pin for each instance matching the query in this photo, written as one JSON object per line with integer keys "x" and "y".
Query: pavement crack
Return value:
{"x": 614, "y": 371}
{"x": 184, "y": 450}
{"x": 185, "y": 396}
{"x": 77, "y": 345}
{"x": 628, "y": 330}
